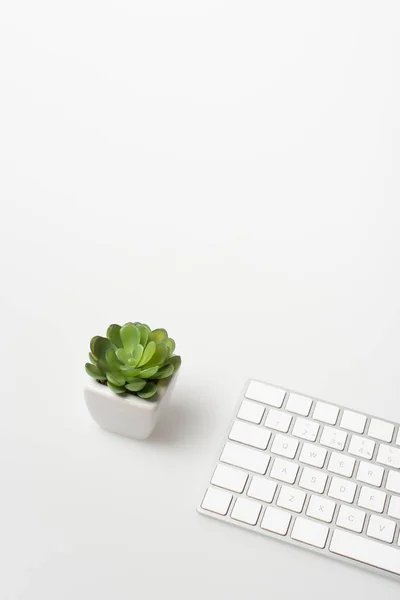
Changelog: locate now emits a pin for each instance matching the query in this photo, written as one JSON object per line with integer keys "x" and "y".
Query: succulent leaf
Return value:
{"x": 116, "y": 389}
{"x": 136, "y": 355}
{"x": 148, "y": 391}
{"x": 165, "y": 371}
{"x": 92, "y": 359}
{"x": 158, "y": 335}
{"x": 148, "y": 373}
{"x": 160, "y": 355}
{"x": 144, "y": 334}
{"x": 135, "y": 385}
{"x": 116, "y": 378}
{"x": 93, "y": 371}
{"x": 147, "y": 353}
{"x": 175, "y": 361}
{"x": 100, "y": 346}
{"x": 123, "y": 355}
{"x": 170, "y": 343}
{"x": 114, "y": 335}
{"x": 112, "y": 360}
{"x": 130, "y": 336}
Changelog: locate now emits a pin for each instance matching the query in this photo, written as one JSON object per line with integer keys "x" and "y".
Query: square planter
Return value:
{"x": 126, "y": 414}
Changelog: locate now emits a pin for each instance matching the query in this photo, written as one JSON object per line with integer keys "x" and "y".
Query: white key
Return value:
{"x": 388, "y": 455}
{"x": 299, "y": 404}
{"x": 251, "y": 411}
{"x": 353, "y": 421}
{"x": 246, "y": 458}
{"x": 343, "y": 490}
{"x": 398, "y": 438}
{"x": 327, "y": 413}
{"x": 381, "y": 529}
{"x": 394, "y": 507}
{"x": 305, "y": 429}
{"x": 276, "y": 520}
{"x": 217, "y": 501}
{"x": 312, "y": 455}
{"x": 246, "y": 511}
{"x": 351, "y": 518}
{"x": 291, "y": 498}
{"x": 370, "y": 473}
{"x": 313, "y": 480}
{"x": 229, "y": 478}
{"x": 393, "y": 482}
{"x": 284, "y": 470}
{"x": 361, "y": 447}
{"x": 258, "y": 437}
{"x": 284, "y": 446}
{"x": 333, "y": 438}
{"x": 278, "y": 420}
{"x": 262, "y": 489}
{"x": 267, "y": 394}
{"x": 310, "y": 532}
{"x": 341, "y": 464}
{"x": 365, "y": 551}
{"x": 321, "y": 508}
{"x": 381, "y": 430}
{"x": 371, "y": 499}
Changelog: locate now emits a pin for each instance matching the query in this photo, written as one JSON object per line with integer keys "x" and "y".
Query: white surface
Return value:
{"x": 227, "y": 170}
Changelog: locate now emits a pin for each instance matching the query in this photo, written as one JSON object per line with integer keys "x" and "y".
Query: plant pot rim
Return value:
{"x": 130, "y": 399}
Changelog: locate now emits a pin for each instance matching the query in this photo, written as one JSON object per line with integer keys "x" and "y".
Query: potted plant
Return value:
{"x": 133, "y": 371}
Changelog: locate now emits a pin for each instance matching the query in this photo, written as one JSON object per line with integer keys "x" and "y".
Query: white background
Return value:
{"x": 230, "y": 171}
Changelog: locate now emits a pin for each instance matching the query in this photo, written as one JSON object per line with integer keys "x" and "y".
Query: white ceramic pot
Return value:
{"x": 126, "y": 414}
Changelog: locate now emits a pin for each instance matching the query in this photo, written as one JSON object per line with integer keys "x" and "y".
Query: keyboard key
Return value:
{"x": 258, "y": 437}
{"x": 313, "y": 480}
{"x": 246, "y": 458}
{"x": 229, "y": 478}
{"x": 353, "y": 421}
{"x": 361, "y": 447}
{"x": 262, "y": 489}
{"x": 388, "y": 455}
{"x": 284, "y": 446}
{"x": 321, "y": 508}
{"x": 381, "y": 529}
{"x": 246, "y": 511}
{"x": 370, "y": 473}
{"x": 398, "y": 440}
{"x": 366, "y": 551}
{"x": 298, "y": 404}
{"x": 276, "y": 520}
{"x": 313, "y": 455}
{"x": 393, "y": 482}
{"x": 394, "y": 507}
{"x": 343, "y": 490}
{"x": 291, "y": 498}
{"x": 216, "y": 501}
{"x": 351, "y": 518}
{"x": 371, "y": 499}
{"x": 327, "y": 413}
{"x": 333, "y": 438}
{"x": 251, "y": 411}
{"x": 267, "y": 394}
{"x": 310, "y": 532}
{"x": 284, "y": 470}
{"x": 276, "y": 419}
{"x": 381, "y": 430}
{"x": 341, "y": 464}
{"x": 305, "y": 429}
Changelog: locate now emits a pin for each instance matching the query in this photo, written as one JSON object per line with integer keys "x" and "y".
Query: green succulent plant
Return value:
{"x": 133, "y": 359}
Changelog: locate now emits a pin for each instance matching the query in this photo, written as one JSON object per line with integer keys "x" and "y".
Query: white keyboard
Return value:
{"x": 313, "y": 474}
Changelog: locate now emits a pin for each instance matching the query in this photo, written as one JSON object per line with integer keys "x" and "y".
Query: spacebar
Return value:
{"x": 366, "y": 551}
